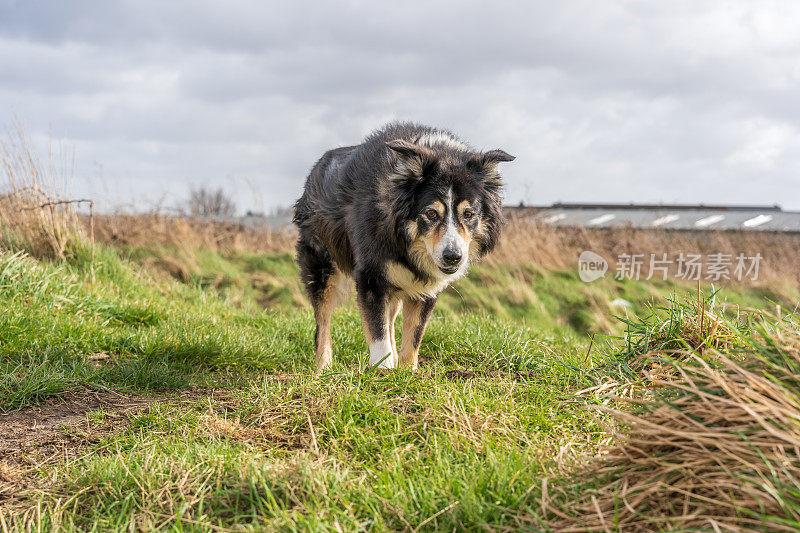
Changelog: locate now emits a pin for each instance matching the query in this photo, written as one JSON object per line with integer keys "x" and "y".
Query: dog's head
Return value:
{"x": 446, "y": 202}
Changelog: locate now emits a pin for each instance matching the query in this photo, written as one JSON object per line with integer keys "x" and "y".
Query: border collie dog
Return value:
{"x": 402, "y": 214}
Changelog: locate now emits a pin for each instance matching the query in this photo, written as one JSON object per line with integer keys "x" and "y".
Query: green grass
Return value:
{"x": 387, "y": 450}
{"x": 463, "y": 443}
{"x": 555, "y": 302}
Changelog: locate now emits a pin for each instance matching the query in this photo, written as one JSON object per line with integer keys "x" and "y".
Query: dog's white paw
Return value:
{"x": 382, "y": 354}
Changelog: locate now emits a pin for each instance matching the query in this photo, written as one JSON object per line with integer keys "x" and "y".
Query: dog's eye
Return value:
{"x": 431, "y": 214}
{"x": 468, "y": 214}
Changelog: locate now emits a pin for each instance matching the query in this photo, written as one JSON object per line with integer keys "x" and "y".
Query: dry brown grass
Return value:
{"x": 719, "y": 449}
{"x": 527, "y": 242}
{"x": 523, "y": 243}
{"x": 35, "y": 216}
{"x": 187, "y": 234}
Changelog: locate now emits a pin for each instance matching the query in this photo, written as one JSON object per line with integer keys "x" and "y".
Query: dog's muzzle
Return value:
{"x": 451, "y": 259}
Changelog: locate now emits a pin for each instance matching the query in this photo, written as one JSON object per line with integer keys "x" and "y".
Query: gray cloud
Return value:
{"x": 636, "y": 101}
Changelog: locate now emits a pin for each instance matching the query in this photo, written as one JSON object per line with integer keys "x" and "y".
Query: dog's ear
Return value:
{"x": 407, "y": 148}
{"x": 496, "y": 156}
{"x": 485, "y": 164}
{"x": 410, "y": 158}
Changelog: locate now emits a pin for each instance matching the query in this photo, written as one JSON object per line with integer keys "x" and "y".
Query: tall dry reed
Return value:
{"x": 36, "y": 215}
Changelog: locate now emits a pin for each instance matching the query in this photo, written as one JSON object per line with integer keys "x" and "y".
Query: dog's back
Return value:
{"x": 345, "y": 183}
{"x": 320, "y": 212}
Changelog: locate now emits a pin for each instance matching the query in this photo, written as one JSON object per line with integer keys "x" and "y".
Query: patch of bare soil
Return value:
{"x": 287, "y": 424}
{"x": 466, "y": 375}
{"x": 60, "y": 427}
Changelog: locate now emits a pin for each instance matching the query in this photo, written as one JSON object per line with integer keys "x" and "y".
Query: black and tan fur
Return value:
{"x": 402, "y": 214}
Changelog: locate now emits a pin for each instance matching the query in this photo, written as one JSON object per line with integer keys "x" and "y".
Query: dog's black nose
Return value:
{"x": 451, "y": 257}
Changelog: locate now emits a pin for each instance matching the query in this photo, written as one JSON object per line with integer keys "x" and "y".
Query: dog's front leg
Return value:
{"x": 393, "y": 309}
{"x": 415, "y": 317}
{"x": 374, "y": 304}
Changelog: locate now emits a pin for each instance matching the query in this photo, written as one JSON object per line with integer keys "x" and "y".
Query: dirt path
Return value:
{"x": 60, "y": 427}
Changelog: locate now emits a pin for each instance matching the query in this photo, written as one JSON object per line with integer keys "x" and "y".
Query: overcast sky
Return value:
{"x": 661, "y": 101}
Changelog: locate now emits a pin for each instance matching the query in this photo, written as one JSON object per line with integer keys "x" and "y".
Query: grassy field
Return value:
{"x": 156, "y": 374}
{"x": 184, "y": 398}
{"x": 274, "y": 444}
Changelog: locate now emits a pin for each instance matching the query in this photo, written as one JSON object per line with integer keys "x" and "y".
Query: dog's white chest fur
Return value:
{"x": 404, "y": 279}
